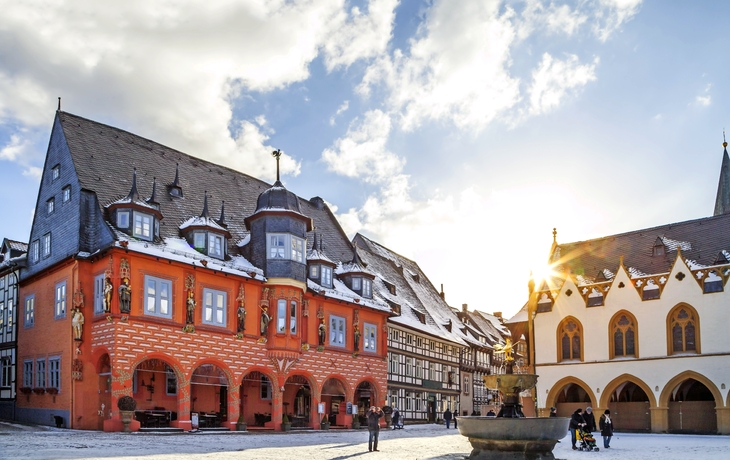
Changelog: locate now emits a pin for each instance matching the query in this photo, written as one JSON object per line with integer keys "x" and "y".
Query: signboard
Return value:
{"x": 349, "y": 408}
{"x": 194, "y": 420}
{"x": 320, "y": 408}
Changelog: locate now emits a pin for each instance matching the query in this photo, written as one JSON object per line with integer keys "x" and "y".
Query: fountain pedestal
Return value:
{"x": 511, "y": 436}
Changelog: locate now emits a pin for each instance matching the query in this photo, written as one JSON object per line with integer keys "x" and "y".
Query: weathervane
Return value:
{"x": 277, "y": 154}
{"x": 724, "y": 142}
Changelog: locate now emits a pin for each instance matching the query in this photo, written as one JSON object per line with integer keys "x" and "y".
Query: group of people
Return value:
{"x": 448, "y": 416}
{"x": 587, "y": 421}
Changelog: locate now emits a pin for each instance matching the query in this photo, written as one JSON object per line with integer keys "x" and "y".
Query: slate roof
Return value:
{"x": 701, "y": 241}
{"x": 16, "y": 245}
{"x": 722, "y": 201}
{"x": 104, "y": 158}
{"x": 413, "y": 292}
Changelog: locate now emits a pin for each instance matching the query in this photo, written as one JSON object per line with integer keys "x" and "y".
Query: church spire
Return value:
{"x": 722, "y": 201}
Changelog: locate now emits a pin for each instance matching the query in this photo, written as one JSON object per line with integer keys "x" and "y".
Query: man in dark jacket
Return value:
{"x": 576, "y": 421}
{"x": 606, "y": 426}
{"x": 590, "y": 419}
{"x": 374, "y": 428}
{"x": 447, "y": 418}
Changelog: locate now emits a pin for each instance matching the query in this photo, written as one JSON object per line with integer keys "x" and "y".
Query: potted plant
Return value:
{"x": 126, "y": 406}
{"x": 285, "y": 423}
{"x": 355, "y": 421}
{"x": 39, "y": 390}
{"x": 241, "y": 423}
{"x": 325, "y": 423}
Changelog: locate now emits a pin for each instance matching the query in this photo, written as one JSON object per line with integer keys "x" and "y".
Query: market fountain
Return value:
{"x": 510, "y": 435}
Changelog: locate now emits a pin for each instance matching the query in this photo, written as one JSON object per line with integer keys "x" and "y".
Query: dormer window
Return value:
{"x": 314, "y": 271}
{"x": 356, "y": 283}
{"x": 215, "y": 245}
{"x": 199, "y": 241}
{"x": 326, "y": 276}
{"x": 122, "y": 219}
{"x": 658, "y": 249}
{"x": 142, "y": 226}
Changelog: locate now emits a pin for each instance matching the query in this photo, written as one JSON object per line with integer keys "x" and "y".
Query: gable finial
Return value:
{"x": 555, "y": 234}
{"x": 59, "y": 105}
{"x": 205, "y": 206}
{"x": 153, "y": 198}
{"x": 222, "y": 220}
{"x": 133, "y": 193}
{"x": 724, "y": 142}
{"x": 277, "y": 154}
{"x": 175, "y": 182}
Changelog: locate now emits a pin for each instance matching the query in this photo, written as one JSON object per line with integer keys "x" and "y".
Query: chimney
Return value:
{"x": 443, "y": 296}
{"x": 464, "y": 307}
{"x": 498, "y": 314}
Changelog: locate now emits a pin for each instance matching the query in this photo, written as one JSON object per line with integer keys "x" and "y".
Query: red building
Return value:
{"x": 132, "y": 288}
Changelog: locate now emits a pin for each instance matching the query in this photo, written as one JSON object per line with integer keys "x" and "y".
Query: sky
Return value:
{"x": 457, "y": 133}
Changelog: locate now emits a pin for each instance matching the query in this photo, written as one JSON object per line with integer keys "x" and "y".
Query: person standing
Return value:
{"x": 447, "y": 417}
{"x": 576, "y": 421}
{"x": 606, "y": 426}
{"x": 590, "y": 419}
{"x": 374, "y": 428}
{"x": 395, "y": 418}
{"x": 553, "y": 412}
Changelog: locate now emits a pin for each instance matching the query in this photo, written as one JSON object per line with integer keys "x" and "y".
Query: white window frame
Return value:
{"x": 29, "y": 311}
{"x": 99, "y": 294}
{"x": 338, "y": 327}
{"x": 50, "y": 206}
{"x": 215, "y": 245}
{"x": 6, "y": 372}
{"x": 55, "y": 173}
{"x": 47, "y": 245}
{"x": 370, "y": 334}
{"x": 314, "y": 271}
{"x": 40, "y": 373}
{"x": 66, "y": 194}
{"x": 367, "y": 288}
{"x": 122, "y": 219}
{"x": 28, "y": 368}
{"x": 60, "y": 303}
{"x": 356, "y": 283}
{"x": 293, "y": 316}
{"x": 35, "y": 252}
{"x": 156, "y": 298}
{"x": 326, "y": 279}
{"x": 276, "y": 244}
{"x": 281, "y": 315}
{"x": 143, "y": 226}
{"x": 54, "y": 372}
{"x": 214, "y": 307}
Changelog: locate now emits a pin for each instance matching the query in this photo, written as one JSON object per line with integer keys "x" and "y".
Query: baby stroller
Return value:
{"x": 397, "y": 421}
{"x": 587, "y": 441}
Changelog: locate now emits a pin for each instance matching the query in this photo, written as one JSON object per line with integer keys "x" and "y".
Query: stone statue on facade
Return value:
{"x": 125, "y": 296}
{"x": 108, "y": 289}
{"x": 190, "y": 316}
{"x": 322, "y": 332}
{"x": 77, "y": 323}
{"x": 265, "y": 318}
{"x": 241, "y": 319}
{"x": 357, "y": 338}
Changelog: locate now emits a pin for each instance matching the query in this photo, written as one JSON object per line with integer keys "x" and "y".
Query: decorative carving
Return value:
{"x": 621, "y": 285}
{"x": 265, "y": 318}
{"x": 77, "y": 324}
{"x": 305, "y": 308}
{"x": 320, "y": 312}
{"x": 108, "y": 289}
{"x": 241, "y": 310}
{"x": 356, "y": 319}
{"x": 569, "y": 293}
{"x": 124, "y": 271}
{"x": 190, "y": 302}
{"x": 680, "y": 276}
{"x": 78, "y": 300}
{"x": 77, "y": 370}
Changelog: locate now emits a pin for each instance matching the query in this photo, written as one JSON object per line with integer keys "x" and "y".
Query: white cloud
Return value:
{"x": 611, "y": 14}
{"x": 552, "y": 79}
{"x": 170, "y": 71}
{"x": 705, "y": 100}
{"x": 342, "y": 108}
{"x": 253, "y": 155}
{"x": 362, "y": 152}
{"x": 14, "y": 149}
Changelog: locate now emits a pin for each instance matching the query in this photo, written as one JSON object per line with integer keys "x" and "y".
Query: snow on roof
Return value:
{"x": 128, "y": 200}
{"x": 672, "y": 245}
{"x": 179, "y": 250}
{"x": 341, "y": 292}
{"x": 635, "y": 272}
{"x": 202, "y": 222}
{"x": 519, "y": 317}
{"x": 314, "y": 254}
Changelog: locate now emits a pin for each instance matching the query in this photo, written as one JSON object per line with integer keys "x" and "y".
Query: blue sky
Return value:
{"x": 457, "y": 133}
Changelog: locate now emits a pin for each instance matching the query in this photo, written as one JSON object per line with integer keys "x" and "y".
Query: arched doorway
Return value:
{"x": 692, "y": 408}
{"x": 365, "y": 396}
{"x": 629, "y": 405}
{"x": 209, "y": 395}
{"x": 570, "y": 397}
{"x": 297, "y": 401}
{"x": 155, "y": 388}
{"x": 333, "y": 397}
{"x": 256, "y": 400}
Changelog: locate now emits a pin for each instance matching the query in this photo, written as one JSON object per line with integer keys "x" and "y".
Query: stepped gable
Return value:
{"x": 104, "y": 157}
{"x": 700, "y": 240}
{"x": 413, "y": 292}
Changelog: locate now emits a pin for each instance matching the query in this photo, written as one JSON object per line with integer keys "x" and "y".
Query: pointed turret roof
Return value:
{"x": 722, "y": 201}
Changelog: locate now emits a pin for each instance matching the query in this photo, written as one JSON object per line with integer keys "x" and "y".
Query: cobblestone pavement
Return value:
{"x": 414, "y": 442}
